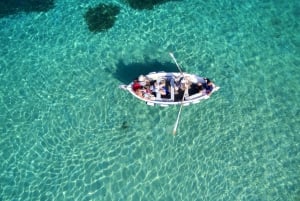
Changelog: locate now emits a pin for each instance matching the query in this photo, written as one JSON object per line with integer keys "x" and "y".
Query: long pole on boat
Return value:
{"x": 177, "y": 120}
{"x": 178, "y": 116}
{"x": 174, "y": 59}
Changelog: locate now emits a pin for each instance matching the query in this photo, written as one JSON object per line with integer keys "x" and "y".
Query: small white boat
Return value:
{"x": 171, "y": 88}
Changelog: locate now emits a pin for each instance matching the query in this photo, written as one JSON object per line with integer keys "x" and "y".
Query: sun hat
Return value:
{"x": 141, "y": 78}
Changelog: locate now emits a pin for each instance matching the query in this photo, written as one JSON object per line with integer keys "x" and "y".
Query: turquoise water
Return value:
{"x": 68, "y": 132}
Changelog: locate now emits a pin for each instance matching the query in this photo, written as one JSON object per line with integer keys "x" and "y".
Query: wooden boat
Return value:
{"x": 171, "y": 88}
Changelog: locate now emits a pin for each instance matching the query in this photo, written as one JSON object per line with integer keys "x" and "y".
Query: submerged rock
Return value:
{"x": 10, "y": 7}
{"x": 144, "y": 4}
{"x": 101, "y": 17}
{"x": 125, "y": 125}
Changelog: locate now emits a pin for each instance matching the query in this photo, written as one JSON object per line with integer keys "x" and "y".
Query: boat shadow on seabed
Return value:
{"x": 125, "y": 73}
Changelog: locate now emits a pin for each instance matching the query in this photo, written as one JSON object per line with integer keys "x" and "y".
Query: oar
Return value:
{"x": 178, "y": 116}
{"x": 174, "y": 59}
{"x": 177, "y": 120}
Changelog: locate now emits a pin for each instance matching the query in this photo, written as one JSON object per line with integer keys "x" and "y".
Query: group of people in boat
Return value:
{"x": 183, "y": 87}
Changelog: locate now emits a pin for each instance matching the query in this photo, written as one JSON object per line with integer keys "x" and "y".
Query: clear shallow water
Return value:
{"x": 68, "y": 133}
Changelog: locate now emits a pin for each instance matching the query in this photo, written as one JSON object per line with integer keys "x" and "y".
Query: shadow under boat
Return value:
{"x": 126, "y": 73}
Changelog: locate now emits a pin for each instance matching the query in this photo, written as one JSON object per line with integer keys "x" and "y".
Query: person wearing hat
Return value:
{"x": 142, "y": 80}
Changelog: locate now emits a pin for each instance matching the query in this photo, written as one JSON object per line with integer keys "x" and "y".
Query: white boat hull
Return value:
{"x": 187, "y": 98}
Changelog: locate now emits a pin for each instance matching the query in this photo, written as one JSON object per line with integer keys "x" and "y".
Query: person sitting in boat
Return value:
{"x": 208, "y": 86}
{"x": 196, "y": 79}
{"x": 147, "y": 93}
{"x": 142, "y": 91}
{"x": 179, "y": 83}
{"x": 136, "y": 85}
{"x": 142, "y": 80}
{"x": 137, "y": 88}
{"x": 199, "y": 87}
{"x": 164, "y": 89}
{"x": 154, "y": 88}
